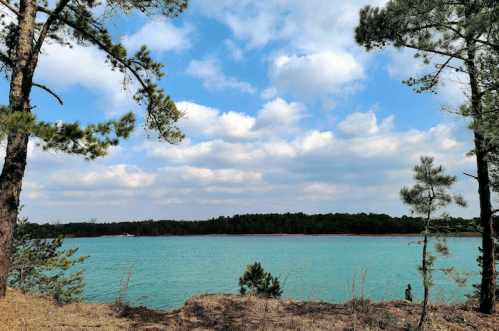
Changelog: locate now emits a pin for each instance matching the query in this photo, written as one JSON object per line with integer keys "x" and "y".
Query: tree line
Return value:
{"x": 297, "y": 223}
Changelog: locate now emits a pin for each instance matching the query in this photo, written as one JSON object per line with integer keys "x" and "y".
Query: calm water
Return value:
{"x": 169, "y": 270}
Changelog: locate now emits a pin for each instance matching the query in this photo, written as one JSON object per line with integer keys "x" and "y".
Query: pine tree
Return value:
{"x": 259, "y": 282}
{"x": 428, "y": 195}
{"x": 31, "y": 259}
{"x": 26, "y": 25}
{"x": 459, "y": 37}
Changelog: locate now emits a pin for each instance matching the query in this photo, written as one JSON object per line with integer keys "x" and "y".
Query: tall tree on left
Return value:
{"x": 22, "y": 36}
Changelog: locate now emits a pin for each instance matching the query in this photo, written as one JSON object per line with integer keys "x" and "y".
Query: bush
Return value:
{"x": 260, "y": 282}
{"x": 30, "y": 257}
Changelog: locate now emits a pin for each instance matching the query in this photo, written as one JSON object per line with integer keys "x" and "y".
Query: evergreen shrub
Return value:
{"x": 259, "y": 282}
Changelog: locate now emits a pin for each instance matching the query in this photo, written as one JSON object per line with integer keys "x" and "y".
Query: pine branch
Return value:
{"x": 429, "y": 50}
{"x": 6, "y": 4}
{"x": 6, "y": 60}
{"x": 46, "y": 26}
{"x": 470, "y": 175}
{"x": 49, "y": 91}
{"x": 154, "y": 96}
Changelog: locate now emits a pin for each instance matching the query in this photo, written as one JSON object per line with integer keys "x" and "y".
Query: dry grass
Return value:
{"x": 20, "y": 311}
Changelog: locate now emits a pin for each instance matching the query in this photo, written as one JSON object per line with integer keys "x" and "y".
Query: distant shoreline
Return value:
{"x": 338, "y": 224}
{"x": 462, "y": 234}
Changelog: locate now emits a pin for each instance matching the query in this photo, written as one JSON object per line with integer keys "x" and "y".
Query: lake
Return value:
{"x": 169, "y": 270}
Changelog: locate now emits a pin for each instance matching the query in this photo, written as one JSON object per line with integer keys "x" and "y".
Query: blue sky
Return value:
{"x": 284, "y": 114}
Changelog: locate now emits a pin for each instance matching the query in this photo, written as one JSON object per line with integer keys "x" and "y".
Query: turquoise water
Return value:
{"x": 169, "y": 270}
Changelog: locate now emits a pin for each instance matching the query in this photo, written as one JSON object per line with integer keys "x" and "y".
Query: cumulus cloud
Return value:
{"x": 304, "y": 170}
{"x": 205, "y": 175}
{"x": 211, "y": 72}
{"x": 316, "y": 75}
{"x": 360, "y": 124}
{"x": 269, "y": 93}
{"x": 314, "y": 140}
{"x": 280, "y": 113}
{"x": 297, "y": 22}
{"x": 210, "y": 151}
{"x": 116, "y": 175}
{"x": 359, "y": 135}
{"x": 161, "y": 36}
{"x": 278, "y": 116}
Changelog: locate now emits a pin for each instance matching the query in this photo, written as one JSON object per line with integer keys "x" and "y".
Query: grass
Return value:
{"x": 121, "y": 304}
{"x": 20, "y": 311}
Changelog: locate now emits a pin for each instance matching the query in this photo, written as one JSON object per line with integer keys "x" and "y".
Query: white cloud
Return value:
{"x": 314, "y": 140}
{"x": 363, "y": 124}
{"x": 304, "y": 26}
{"x": 269, "y": 93}
{"x": 230, "y": 190}
{"x": 279, "y": 113}
{"x": 316, "y": 75}
{"x": 175, "y": 201}
{"x": 258, "y": 29}
{"x": 233, "y": 153}
{"x": 279, "y": 149}
{"x": 160, "y": 36}
{"x": 210, "y": 71}
{"x": 403, "y": 65}
{"x": 358, "y": 124}
{"x": 236, "y": 124}
{"x": 216, "y": 201}
{"x": 235, "y": 52}
{"x": 322, "y": 188}
{"x": 359, "y": 135}
{"x": 99, "y": 194}
{"x": 61, "y": 68}
{"x": 92, "y": 203}
{"x": 277, "y": 116}
{"x": 116, "y": 175}
{"x": 205, "y": 175}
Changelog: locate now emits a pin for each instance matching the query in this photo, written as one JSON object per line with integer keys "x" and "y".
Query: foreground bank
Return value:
{"x": 20, "y": 311}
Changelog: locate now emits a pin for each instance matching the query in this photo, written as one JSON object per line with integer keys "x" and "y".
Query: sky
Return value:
{"x": 284, "y": 113}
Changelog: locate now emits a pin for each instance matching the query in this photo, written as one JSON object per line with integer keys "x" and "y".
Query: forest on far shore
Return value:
{"x": 298, "y": 223}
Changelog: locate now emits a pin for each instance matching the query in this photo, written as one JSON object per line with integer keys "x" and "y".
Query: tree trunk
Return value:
{"x": 487, "y": 290}
{"x": 17, "y": 145}
{"x": 424, "y": 312}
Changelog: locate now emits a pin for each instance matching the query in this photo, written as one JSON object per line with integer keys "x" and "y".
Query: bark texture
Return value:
{"x": 17, "y": 145}
{"x": 487, "y": 290}
{"x": 424, "y": 312}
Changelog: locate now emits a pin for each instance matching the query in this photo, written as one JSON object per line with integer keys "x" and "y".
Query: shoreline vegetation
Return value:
{"x": 258, "y": 224}
{"x": 23, "y": 311}
{"x": 456, "y": 234}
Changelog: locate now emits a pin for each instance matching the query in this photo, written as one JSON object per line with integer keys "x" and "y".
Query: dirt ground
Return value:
{"x": 20, "y": 311}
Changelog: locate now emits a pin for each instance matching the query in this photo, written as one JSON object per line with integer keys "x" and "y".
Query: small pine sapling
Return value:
{"x": 428, "y": 195}
{"x": 259, "y": 282}
{"x": 31, "y": 257}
